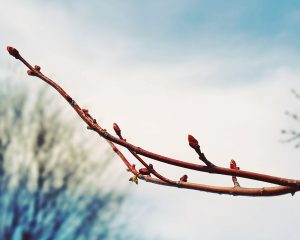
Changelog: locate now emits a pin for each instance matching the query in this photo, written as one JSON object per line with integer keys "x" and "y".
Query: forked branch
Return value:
{"x": 284, "y": 185}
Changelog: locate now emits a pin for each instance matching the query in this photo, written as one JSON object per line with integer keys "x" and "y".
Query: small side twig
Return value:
{"x": 193, "y": 142}
{"x": 148, "y": 167}
{"x": 234, "y": 178}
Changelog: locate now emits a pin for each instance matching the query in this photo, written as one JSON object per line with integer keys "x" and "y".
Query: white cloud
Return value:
{"x": 158, "y": 103}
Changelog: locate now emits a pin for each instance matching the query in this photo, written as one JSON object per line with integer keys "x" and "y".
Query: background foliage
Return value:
{"x": 52, "y": 186}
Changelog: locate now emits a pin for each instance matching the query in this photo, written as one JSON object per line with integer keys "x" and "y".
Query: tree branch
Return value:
{"x": 286, "y": 185}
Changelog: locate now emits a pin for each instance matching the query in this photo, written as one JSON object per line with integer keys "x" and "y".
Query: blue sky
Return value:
{"x": 262, "y": 34}
{"x": 183, "y": 21}
{"x": 194, "y": 25}
{"x": 221, "y": 70}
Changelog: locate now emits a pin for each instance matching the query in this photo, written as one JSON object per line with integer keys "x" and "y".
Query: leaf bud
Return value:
{"x": 193, "y": 142}
{"x": 14, "y": 52}
{"x": 117, "y": 129}
{"x": 184, "y": 178}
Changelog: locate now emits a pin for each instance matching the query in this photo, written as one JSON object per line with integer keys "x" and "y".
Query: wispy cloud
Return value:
{"x": 220, "y": 70}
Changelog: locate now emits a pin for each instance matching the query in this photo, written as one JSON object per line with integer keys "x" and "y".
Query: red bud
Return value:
{"x": 38, "y": 68}
{"x": 233, "y": 165}
{"x": 184, "y": 178}
{"x": 30, "y": 73}
{"x": 144, "y": 171}
{"x": 193, "y": 142}
{"x": 14, "y": 52}
{"x": 117, "y": 129}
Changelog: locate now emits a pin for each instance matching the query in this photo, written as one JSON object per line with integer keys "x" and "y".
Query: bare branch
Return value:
{"x": 286, "y": 185}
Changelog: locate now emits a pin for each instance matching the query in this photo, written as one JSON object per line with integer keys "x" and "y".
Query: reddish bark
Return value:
{"x": 285, "y": 185}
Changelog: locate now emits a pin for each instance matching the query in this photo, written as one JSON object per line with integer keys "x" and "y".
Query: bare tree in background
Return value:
{"x": 292, "y": 135}
{"x": 46, "y": 176}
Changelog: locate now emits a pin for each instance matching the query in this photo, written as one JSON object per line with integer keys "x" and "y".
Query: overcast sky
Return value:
{"x": 220, "y": 70}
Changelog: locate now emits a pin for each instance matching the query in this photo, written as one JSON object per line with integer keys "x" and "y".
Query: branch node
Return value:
{"x": 133, "y": 166}
{"x": 70, "y": 100}
{"x": 262, "y": 191}
{"x": 134, "y": 179}
{"x": 86, "y": 112}
{"x": 38, "y": 68}
{"x": 105, "y": 133}
{"x": 31, "y": 73}
{"x": 183, "y": 178}
{"x": 137, "y": 149}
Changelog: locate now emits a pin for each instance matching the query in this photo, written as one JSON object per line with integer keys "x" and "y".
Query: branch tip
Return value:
{"x": 193, "y": 142}
{"x": 14, "y": 52}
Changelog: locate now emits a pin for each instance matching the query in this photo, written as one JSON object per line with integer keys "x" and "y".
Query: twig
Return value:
{"x": 286, "y": 185}
{"x": 234, "y": 178}
{"x": 193, "y": 142}
{"x": 148, "y": 167}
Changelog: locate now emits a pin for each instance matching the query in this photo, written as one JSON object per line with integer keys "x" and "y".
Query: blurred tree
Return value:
{"x": 293, "y": 135}
{"x": 47, "y": 180}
